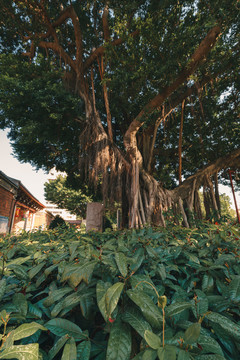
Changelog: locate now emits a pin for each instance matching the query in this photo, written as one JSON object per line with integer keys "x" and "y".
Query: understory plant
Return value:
{"x": 144, "y": 294}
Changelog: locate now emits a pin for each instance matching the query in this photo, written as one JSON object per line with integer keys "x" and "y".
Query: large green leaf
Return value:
{"x": 167, "y": 353}
{"x": 2, "y": 288}
{"x": 207, "y": 283}
{"x": 56, "y": 295}
{"x": 83, "y": 350}
{"x": 20, "y": 301}
{"x": 150, "y": 311}
{"x": 70, "y": 350}
{"x": 57, "y": 346}
{"x": 86, "y": 304}
{"x": 19, "y": 271}
{"x": 191, "y": 257}
{"x": 183, "y": 355}
{"x": 62, "y": 327}
{"x": 210, "y": 357}
{"x": 101, "y": 290}
{"x": 35, "y": 270}
{"x": 50, "y": 269}
{"x": 21, "y": 352}
{"x": 177, "y": 308}
{"x": 27, "y": 330}
{"x": 119, "y": 343}
{"x": 149, "y": 354}
{"x": 192, "y": 333}
{"x": 209, "y": 345}
{"x": 200, "y": 304}
{"x": 137, "y": 259}
{"x": 121, "y": 263}
{"x": 162, "y": 271}
{"x": 134, "y": 317}
{"x": 76, "y": 273}
{"x": 19, "y": 260}
{"x": 112, "y": 297}
{"x": 234, "y": 289}
{"x": 227, "y": 325}
{"x": 152, "y": 339}
{"x": 34, "y": 310}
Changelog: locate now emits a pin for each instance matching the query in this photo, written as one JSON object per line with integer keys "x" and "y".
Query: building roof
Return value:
{"x": 8, "y": 179}
{"x": 23, "y": 196}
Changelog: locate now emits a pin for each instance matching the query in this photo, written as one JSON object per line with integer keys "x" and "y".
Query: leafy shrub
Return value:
{"x": 57, "y": 221}
{"x": 153, "y": 293}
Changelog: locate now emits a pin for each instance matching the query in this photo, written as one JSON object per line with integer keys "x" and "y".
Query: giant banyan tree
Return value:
{"x": 142, "y": 97}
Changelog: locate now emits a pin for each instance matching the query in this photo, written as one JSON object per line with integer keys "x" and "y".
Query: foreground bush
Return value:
{"x": 147, "y": 294}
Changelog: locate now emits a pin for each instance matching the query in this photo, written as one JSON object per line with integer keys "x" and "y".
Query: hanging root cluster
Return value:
{"x": 101, "y": 164}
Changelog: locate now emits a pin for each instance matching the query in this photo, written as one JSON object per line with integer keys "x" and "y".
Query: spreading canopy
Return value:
{"x": 124, "y": 93}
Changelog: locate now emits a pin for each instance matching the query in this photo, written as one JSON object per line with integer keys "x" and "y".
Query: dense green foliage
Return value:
{"x": 66, "y": 295}
{"x": 57, "y": 221}
{"x": 40, "y": 104}
{"x": 60, "y": 192}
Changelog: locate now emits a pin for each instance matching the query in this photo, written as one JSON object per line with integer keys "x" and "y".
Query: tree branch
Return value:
{"x": 221, "y": 163}
{"x": 106, "y": 31}
{"x": 101, "y": 49}
{"x": 199, "y": 55}
{"x": 78, "y": 37}
{"x": 60, "y": 51}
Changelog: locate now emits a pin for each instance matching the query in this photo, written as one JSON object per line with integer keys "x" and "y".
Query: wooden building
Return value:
{"x": 42, "y": 219}
{"x": 17, "y": 206}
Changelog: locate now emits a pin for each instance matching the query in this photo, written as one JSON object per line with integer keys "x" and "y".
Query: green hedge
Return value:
{"x": 148, "y": 294}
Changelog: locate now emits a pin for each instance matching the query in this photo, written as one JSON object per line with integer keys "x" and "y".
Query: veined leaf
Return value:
{"x": 138, "y": 259}
{"x": 19, "y": 260}
{"x": 20, "y": 302}
{"x": 21, "y": 352}
{"x": 83, "y": 350}
{"x": 112, "y": 296}
{"x": 191, "y": 257}
{"x": 50, "y": 269}
{"x": 34, "y": 310}
{"x": 119, "y": 343}
{"x": 35, "y": 270}
{"x": 152, "y": 339}
{"x": 62, "y": 327}
{"x": 149, "y": 354}
{"x": 162, "y": 271}
{"x": 150, "y": 311}
{"x": 57, "y": 347}
{"x": 134, "y": 317}
{"x": 70, "y": 350}
{"x": 210, "y": 357}
{"x": 86, "y": 303}
{"x": 209, "y": 345}
{"x": 76, "y": 273}
{"x": 192, "y": 333}
{"x": 121, "y": 263}
{"x": 200, "y": 307}
{"x": 183, "y": 355}
{"x": 40, "y": 279}
{"x": 26, "y": 330}
{"x": 56, "y": 295}
{"x": 177, "y": 308}
{"x": 167, "y": 353}
{"x": 2, "y": 288}
{"x": 19, "y": 270}
{"x": 234, "y": 289}
{"x": 207, "y": 283}
{"x": 227, "y": 325}
{"x": 101, "y": 290}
